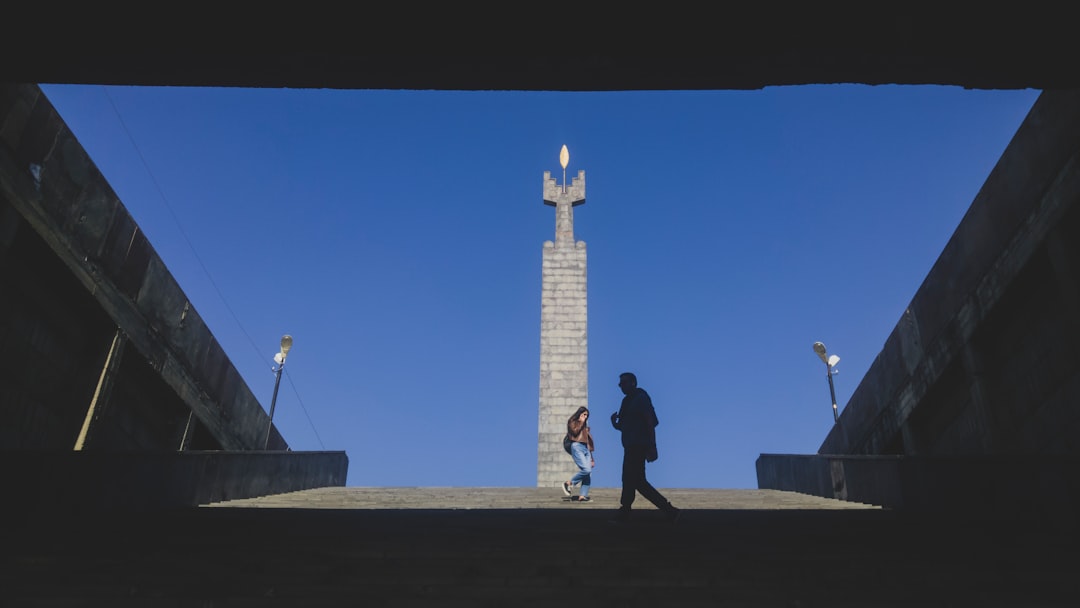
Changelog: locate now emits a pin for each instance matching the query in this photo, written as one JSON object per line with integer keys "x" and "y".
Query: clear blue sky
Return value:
{"x": 397, "y": 236}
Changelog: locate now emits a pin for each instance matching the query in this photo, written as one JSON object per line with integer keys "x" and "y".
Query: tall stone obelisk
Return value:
{"x": 564, "y": 347}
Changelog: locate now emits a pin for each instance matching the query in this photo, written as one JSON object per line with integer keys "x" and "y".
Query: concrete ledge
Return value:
{"x": 73, "y": 481}
{"x": 1009, "y": 486}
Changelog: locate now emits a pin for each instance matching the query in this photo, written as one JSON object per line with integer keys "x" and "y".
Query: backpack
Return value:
{"x": 566, "y": 443}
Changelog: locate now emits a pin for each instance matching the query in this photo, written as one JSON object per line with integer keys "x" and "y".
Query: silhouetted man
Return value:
{"x": 636, "y": 420}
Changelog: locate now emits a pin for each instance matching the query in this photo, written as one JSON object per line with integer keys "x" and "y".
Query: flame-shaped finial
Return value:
{"x": 564, "y": 158}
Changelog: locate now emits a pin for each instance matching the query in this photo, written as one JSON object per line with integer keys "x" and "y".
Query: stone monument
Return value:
{"x": 564, "y": 349}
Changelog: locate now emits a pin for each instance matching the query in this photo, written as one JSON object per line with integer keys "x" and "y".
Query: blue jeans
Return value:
{"x": 583, "y": 459}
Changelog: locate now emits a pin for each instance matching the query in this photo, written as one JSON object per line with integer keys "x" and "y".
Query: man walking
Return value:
{"x": 636, "y": 420}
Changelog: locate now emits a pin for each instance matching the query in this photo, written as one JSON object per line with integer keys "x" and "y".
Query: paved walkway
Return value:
{"x": 531, "y": 498}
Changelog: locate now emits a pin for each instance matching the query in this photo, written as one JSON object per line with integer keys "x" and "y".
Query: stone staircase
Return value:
{"x": 604, "y": 499}
{"x": 529, "y": 547}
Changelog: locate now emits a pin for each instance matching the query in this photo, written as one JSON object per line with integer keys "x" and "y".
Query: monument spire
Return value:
{"x": 564, "y": 354}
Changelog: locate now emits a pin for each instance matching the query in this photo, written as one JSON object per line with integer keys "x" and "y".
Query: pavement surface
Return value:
{"x": 531, "y": 498}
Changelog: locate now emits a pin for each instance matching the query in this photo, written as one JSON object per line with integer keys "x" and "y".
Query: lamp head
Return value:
{"x": 286, "y": 344}
{"x": 819, "y": 348}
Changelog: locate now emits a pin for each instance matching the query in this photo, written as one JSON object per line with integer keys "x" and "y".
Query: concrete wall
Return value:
{"x": 985, "y": 361}
{"x": 77, "y": 271}
{"x": 113, "y": 391}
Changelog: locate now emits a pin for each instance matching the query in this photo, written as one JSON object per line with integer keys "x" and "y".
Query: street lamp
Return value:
{"x": 279, "y": 358}
{"x": 830, "y": 362}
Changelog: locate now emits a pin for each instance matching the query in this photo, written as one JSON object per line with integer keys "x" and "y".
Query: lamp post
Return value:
{"x": 830, "y": 362}
{"x": 279, "y": 359}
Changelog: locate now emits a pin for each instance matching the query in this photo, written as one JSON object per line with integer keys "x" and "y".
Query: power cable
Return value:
{"x": 179, "y": 226}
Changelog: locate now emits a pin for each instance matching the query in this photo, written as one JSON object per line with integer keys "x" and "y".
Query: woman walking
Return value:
{"x": 581, "y": 449}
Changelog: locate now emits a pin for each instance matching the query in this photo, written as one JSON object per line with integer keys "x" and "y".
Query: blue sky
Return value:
{"x": 397, "y": 236}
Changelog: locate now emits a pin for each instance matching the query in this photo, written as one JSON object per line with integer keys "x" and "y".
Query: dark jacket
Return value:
{"x": 636, "y": 419}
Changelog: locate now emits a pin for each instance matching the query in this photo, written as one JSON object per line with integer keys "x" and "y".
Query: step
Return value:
{"x": 413, "y": 547}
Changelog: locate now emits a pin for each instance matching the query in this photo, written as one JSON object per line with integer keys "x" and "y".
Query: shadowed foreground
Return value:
{"x": 530, "y": 547}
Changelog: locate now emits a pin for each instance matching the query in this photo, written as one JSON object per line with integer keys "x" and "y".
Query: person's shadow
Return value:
{"x": 573, "y": 499}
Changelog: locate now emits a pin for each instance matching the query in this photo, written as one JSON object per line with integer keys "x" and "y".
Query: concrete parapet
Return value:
{"x": 983, "y": 360}
{"x": 92, "y": 481}
{"x": 999, "y": 486}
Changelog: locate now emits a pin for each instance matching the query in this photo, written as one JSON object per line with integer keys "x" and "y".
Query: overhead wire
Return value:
{"x": 206, "y": 271}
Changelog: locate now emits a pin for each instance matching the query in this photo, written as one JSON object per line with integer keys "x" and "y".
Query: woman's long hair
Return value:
{"x": 575, "y": 416}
